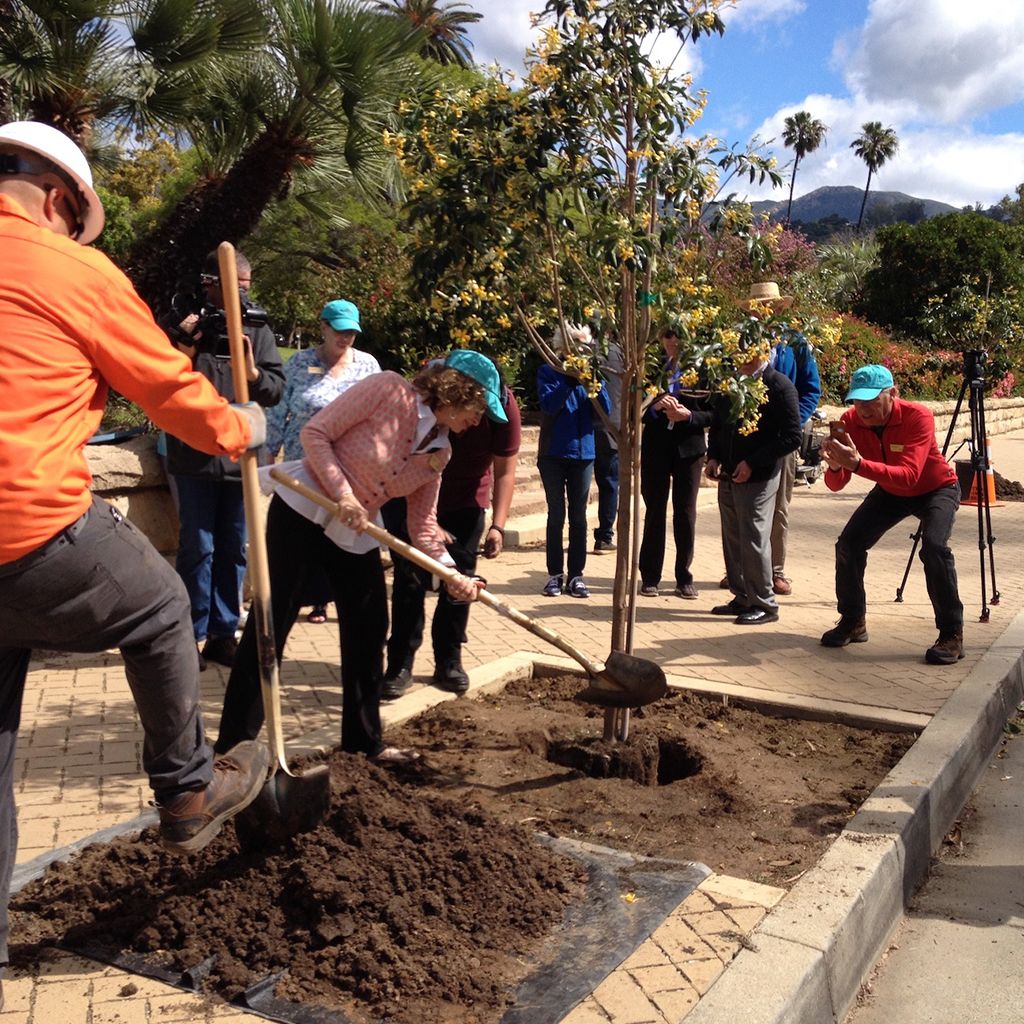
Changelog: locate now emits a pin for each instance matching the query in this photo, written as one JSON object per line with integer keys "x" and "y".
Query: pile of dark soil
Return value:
{"x": 402, "y": 902}
{"x": 424, "y": 898}
{"x": 1008, "y": 490}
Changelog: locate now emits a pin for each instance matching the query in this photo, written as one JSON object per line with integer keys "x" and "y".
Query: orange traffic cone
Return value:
{"x": 990, "y": 482}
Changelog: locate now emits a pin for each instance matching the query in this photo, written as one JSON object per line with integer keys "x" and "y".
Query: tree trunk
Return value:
{"x": 214, "y": 211}
{"x": 864, "y": 201}
{"x": 792, "y": 182}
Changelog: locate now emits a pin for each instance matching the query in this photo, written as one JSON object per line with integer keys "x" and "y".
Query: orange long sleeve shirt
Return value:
{"x": 71, "y": 324}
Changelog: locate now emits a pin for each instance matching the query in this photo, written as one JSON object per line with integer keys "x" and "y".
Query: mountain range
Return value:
{"x": 844, "y": 201}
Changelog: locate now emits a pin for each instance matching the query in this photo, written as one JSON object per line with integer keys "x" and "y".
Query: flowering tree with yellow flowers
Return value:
{"x": 576, "y": 197}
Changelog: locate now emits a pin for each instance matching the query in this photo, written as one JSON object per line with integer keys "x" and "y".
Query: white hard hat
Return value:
{"x": 60, "y": 150}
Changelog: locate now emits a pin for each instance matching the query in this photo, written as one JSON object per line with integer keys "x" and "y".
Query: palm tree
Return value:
{"x": 443, "y": 27}
{"x": 803, "y": 134}
{"x": 875, "y": 145}
{"x": 308, "y": 110}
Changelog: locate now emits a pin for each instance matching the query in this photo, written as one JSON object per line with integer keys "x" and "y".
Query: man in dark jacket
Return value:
{"x": 747, "y": 468}
{"x": 211, "y": 538}
{"x": 671, "y": 458}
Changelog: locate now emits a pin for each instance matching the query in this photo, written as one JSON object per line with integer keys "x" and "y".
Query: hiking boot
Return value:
{"x": 649, "y": 590}
{"x": 846, "y": 631}
{"x": 577, "y": 588}
{"x": 221, "y": 649}
{"x": 602, "y": 547}
{"x": 947, "y": 650}
{"x": 190, "y": 820}
{"x": 451, "y": 677}
{"x": 395, "y": 685}
{"x": 782, "y": 584}
{"x": 554, "y": 586}
{"x": 687, "y": 591}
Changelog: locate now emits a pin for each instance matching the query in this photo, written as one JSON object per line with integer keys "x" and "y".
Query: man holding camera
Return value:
{"x": 211, "y": 537}
{"x": 892, "y": 443}
{"x": 75, "y": 575}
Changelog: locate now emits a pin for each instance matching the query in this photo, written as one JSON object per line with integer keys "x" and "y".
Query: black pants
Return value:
{"x": 408, "y": 591}
{"x": 878, "y": 513}
{"x": 662, "y": 469}
{"x": 296, "y": 548}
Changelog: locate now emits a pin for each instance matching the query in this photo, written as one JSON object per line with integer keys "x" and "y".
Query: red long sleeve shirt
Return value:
{"x": 70, "y": 325}
{"x": 903, "y": 457}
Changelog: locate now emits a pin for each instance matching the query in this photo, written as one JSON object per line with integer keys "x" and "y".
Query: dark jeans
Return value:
{"x": 410, "y": 584}
{"x": 606, "y": 473}
{"x": 211, "y": 552}
{"x": 662, "y": 468}
{"x": 566, "y": 479}
{"x": 296, "y": 548}
{"x": 878, "y": 513}
{"x": 96, "y": 585}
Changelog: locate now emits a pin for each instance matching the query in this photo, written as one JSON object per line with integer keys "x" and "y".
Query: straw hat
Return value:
{"x": 768, "y": 292}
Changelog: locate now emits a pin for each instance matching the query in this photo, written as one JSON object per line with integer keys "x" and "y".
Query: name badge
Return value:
{"x": 315, "y": 369}
{"x": 896, "y": 447}
{"x": 435, "y": 462}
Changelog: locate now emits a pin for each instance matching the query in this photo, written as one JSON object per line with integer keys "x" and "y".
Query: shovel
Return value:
{"x": 288, "y": 804}
{"x": 623, "y": 681}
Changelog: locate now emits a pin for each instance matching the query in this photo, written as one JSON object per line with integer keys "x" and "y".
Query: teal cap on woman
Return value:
{"x": 485, "y": 373}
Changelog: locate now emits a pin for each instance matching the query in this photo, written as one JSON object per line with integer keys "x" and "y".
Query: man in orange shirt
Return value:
{"x": 74, "y": 574}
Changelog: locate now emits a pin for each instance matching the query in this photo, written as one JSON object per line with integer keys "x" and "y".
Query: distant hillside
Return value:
{"x": 844, "y": 201}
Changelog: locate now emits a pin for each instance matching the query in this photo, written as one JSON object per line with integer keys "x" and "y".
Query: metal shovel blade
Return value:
{"x": 626, "y": 681}
{"x": 287, "y": 805}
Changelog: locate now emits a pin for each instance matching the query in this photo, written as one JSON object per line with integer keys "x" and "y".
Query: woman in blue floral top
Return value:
{"x": 315, "y": 377}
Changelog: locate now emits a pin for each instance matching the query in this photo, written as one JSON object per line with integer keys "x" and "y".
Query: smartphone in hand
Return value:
{"x": 837, "y": 430}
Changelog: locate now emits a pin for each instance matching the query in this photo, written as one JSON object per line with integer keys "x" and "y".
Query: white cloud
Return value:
{"x": 750, "y": 13}
{"x": 950, "y": 61}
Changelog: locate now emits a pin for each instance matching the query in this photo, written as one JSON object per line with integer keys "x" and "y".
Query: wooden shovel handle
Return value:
{"x": 445, "y": 572}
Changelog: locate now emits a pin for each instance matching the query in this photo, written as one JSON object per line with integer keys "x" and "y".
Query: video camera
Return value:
{"x": 212, "y": 329}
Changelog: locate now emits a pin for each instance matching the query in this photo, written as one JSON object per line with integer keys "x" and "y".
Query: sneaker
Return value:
{"x": 782, "y": 584}
{"x": 554, "y": 586}
{"x": 687, "y": 591}
{"x": 846, "y": 631}
{"x": 395, "y": 685}
{"x": 451, "y": 677}
{"x": 947, "y": 650}
{"x": 221, "y": 649}
{"x": 649, "y": 590}
{"x": 602, "y": 547}
{"x": 577, "y": 588}
{"x": 190, "y": 820}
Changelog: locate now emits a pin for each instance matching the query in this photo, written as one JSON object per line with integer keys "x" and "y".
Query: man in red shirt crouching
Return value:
{"x": 892, "y": 443}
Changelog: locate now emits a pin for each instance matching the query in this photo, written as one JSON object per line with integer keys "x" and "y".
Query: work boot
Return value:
{"x": 396, "y": 684}
{"x": 190, "y": 820}
{"x": 451, "y": 677}
{"x": 846, "y": 631}
{"x": 947, "y": 650}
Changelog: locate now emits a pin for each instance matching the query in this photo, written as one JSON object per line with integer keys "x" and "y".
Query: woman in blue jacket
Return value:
{"x": 565, "y": 459}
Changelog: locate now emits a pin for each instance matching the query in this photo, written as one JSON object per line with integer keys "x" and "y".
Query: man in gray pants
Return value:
{"x": 747, "y": 468}
{"x": 74, "y": 574}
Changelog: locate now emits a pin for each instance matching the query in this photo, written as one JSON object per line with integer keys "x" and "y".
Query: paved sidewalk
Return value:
{"x": 79, "y": 753}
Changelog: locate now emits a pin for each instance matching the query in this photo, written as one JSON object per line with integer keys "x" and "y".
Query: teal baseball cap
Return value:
{"x": 869, "y": 382}
{"x": 485, "y": 373}
{"x": 342, "y": 315}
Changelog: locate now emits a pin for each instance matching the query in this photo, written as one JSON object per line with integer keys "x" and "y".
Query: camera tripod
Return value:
{"x": 974, "y": 387}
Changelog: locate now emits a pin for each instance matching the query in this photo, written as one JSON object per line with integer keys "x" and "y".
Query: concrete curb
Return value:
{"x": 814, "y": 949}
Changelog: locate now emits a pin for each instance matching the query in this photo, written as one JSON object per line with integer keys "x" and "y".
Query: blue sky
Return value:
{"x": 947, "y": 76}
